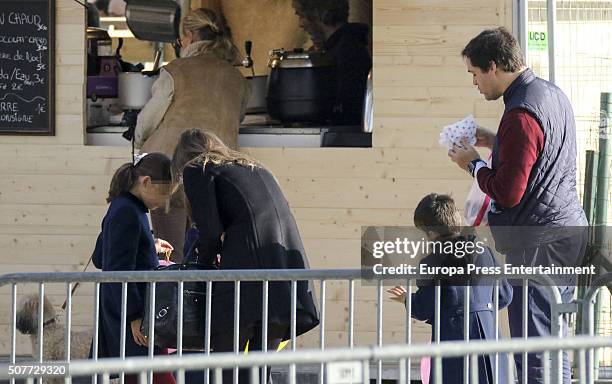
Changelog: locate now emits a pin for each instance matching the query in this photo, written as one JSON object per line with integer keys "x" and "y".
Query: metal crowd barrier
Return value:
{"x": 360, "y": 355}
{"x": 588, "y": 320}
{"x": 405, "y": 354}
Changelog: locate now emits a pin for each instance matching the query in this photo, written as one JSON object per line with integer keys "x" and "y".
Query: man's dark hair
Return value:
{"x": 329, "y": 12}
{"x": 439, "y": 214}
{"x": 497, "y": 45}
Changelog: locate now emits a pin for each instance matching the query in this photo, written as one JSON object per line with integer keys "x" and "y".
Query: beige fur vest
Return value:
{"x": 209, "y": 93}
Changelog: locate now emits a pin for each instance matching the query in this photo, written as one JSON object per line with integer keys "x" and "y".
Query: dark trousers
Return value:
{"x": 224, "y": 342}
{"x": 538, "y": 324}
{"x": 565, "y": 252}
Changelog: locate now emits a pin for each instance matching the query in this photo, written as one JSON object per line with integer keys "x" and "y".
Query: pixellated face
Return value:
{"x": 486, "y": 81}
{"x": 155, "y": 195}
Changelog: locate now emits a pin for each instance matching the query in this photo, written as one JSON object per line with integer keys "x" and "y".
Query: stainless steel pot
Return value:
{"x": 259, "y": 89}
{"x": 134, "y": 90}
{"x": 368, "y": 105}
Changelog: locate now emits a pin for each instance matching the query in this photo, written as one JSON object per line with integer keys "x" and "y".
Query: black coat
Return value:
{"x": 349, "y": 48}
{"x": 124, "y": 244}
{"x": 247, "y": 207}
{"x": 481, "y": 322}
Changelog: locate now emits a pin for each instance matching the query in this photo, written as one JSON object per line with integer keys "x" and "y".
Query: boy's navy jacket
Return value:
{"x": 124, "y": 244}
{"x": 481, "y": 307}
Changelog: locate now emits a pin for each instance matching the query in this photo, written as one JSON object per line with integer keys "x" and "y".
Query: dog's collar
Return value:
{"x": 49, "y": 322}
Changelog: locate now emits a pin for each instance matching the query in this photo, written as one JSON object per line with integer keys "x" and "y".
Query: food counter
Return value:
{"x": 258, "y": 136}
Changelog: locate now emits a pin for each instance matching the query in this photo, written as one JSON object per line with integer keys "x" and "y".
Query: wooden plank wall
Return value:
{"x": 52, "y": 189}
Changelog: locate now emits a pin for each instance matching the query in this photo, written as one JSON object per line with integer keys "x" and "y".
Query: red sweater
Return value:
{"x": 520, "y": 143}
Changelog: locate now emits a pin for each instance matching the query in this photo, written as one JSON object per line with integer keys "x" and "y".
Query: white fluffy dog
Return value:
{"x": 54, "y": 344}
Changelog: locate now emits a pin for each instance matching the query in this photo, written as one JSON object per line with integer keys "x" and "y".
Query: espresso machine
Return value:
{"x": 103, "y": 69}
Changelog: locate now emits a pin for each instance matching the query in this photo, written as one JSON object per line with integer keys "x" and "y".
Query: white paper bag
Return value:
{"x": 477, "y": 205}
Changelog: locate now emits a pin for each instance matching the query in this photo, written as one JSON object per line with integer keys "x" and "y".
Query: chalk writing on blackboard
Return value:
{"x": 26, "y": 67}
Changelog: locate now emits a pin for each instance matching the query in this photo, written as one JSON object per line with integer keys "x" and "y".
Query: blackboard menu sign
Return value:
{"x": 27, "y": 67}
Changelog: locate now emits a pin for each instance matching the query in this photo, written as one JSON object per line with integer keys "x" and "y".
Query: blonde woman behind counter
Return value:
{"x": 201, "y": 89}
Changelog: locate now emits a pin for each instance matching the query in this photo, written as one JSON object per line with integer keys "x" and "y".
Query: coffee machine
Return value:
{"x": 103, "y": 68}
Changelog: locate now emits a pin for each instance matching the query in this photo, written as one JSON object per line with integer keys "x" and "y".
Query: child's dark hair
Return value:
{"x": 438, "y": 213}
{"x": 155, "y": 165}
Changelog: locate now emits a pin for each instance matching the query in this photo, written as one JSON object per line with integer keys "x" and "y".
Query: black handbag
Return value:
{"x": 166, "y": 311}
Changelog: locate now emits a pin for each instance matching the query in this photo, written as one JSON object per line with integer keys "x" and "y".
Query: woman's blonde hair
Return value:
{"x": 197, "y": 148}
{"x": 213, "y": 30}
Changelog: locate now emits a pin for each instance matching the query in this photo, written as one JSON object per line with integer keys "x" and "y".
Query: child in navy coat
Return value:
{"x": 126, "y": 244}
{"x": 438, "y": 217}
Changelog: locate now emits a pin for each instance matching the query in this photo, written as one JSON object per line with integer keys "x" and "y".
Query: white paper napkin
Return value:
{"x": 453, "y": 133}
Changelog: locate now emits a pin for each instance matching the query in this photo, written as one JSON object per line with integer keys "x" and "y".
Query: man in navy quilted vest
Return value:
{"x": 536, "y": 217}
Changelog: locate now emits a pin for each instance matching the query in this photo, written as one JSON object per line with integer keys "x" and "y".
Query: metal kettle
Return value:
{"x": 368, "y": 105}
{"x": 301, "y": 86}
{"x": 298, "y": 58}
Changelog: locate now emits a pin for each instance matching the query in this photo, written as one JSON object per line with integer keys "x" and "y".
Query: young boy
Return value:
{"x": 439, "y": 218}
